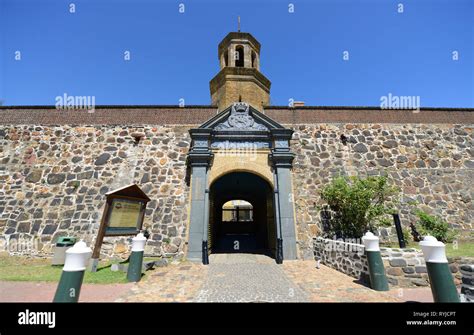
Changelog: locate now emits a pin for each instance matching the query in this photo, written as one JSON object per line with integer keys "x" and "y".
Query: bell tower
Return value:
{"x": 240, "y": 78}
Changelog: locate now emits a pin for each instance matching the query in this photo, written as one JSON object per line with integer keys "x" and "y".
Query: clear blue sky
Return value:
{"x": 174, "y": 55}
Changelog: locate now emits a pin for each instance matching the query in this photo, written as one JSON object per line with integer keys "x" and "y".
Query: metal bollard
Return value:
{"x": 279, "y": 251}
{"x": 69, "y": 286}
{"x": 205, "y": 253}
{"x": 378, "y": 279}
{"x": 134, "y": 271}
{"x": 398, "y": 228}
{"x": 441, "y": 279}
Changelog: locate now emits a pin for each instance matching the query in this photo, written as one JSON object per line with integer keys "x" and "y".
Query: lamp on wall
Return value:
{"x": 343, "y": 139}
{"x": 137, "y": 137}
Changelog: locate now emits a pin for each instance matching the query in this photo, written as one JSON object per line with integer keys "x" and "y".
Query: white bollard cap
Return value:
{"x": 77, "y": 257}
{"x": 138, "y": 242}
{"x": 433, "y": 250}
{"x": 371, "y": 242}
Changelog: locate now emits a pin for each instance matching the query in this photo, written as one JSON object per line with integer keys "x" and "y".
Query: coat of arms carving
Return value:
{"x": 240, "y": 119}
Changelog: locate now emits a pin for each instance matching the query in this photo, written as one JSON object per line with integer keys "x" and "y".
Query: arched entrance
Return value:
{"x": 241, "y": 154}
{"x": 241, "y": 215}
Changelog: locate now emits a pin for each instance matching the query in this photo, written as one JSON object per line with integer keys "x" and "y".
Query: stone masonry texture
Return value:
{"x": 54, "y": 179}
{"x": 431, "y": 164}
{"x": 403, "y": 267}
{"x": 56, "y": 166}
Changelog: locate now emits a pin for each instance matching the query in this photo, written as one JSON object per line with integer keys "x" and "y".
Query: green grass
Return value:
{"x": 17, "y": 268}
{"x": 464, "y": 249}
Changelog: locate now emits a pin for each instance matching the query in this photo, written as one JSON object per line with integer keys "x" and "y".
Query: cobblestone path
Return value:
{"x": 251, "y": 278}
{"x": 328, "y": 285}
{"x": 247, "y": 278}
{"x": 173, "y": 283}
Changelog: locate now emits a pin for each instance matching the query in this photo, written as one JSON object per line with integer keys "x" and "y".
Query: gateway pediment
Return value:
{"x": 241, "y": 117}
{"x": 240, "y": 127}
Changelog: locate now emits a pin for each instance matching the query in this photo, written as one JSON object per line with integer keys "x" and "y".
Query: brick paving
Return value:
{"x": 328, "y": 285}
{"x": 173, "y": 283}
{"x": 420, "y": 294}
{"x": 255, "y": 278}
{"x": 228, "y": 277}
{"x": 14, "y": 291}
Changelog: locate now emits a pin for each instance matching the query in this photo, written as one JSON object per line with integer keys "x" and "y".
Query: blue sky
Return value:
{"x": 174, "y": 55}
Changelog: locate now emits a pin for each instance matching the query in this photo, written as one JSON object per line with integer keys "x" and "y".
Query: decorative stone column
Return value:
{"x": 247, "y": 56}
{"x": 199, "y": 160}
{"x": 231, "y": 52}
{"x": 282, "y": 162}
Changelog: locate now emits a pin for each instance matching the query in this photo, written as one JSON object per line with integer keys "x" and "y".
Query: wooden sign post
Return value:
{"x": 123, "y": 215}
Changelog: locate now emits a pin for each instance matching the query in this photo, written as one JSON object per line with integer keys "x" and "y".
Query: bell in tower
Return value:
{"x": 240, "y": 78}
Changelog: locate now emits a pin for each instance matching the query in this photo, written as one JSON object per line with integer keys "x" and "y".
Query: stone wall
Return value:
{"x": 407, "y": 267}
{"x": 433, "y": 165}
{"x": 53, "y": 181}
{"x": 403, "y": 267}
{"x": 345, "y": 257}
{"x": 54, "y": 177}
{"x": 467, "y": 287}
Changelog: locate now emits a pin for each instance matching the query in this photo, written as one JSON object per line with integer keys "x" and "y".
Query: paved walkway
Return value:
{"x": 15, "y": 291}
{"x": 419, "y": 294}
{"x": 247, "y": 278}
{"x": 328, "y": 285}
{"x": 229, "y": 278}
{"x": 255, "y": 278}
{"x": 173, "y": 283}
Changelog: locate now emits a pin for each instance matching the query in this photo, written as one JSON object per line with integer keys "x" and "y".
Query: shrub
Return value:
{"x": 356, "y": 205}
{"x": 434, "y": 226}
{"x": 407, "y": 235}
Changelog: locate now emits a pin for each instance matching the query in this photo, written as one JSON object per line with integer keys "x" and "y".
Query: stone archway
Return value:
{"x": 241, "y": 140}
{"x": 251, "y": 230}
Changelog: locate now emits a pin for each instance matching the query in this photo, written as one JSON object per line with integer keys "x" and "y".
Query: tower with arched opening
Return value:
{"x": 239, "y": 57}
